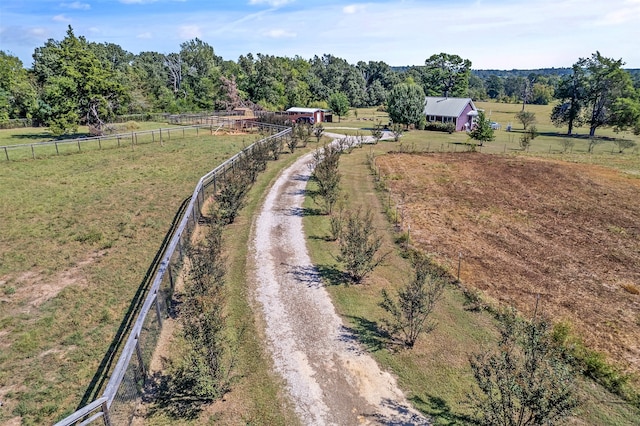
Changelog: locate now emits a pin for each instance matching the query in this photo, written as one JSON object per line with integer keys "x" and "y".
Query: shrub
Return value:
{"x": 415, "y": 302}
{"x": 567, "y": 144}
{"x": 325, "y": 173}
{"x": 359, "y": 245}
{"x": 526, "y": 118}
{"x": 524, "y": 380}
{"x": 440, "y": 127}
{"x": 201, "y": 372}
{"x": 318, "y": 131}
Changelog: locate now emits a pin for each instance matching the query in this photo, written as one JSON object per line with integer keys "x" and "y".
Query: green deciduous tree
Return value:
{"x": 17, "y": 94}
{"x": 446, "y": 75}
{"x": 606, "y": 81}
{"x": 526, "y": 118}
{"x": 411, "y": 311}
{"x": 571, "y": 93}
{"x": 625, "y": 114}
{"x": 359, "y": 245}
{"x": 76, "y": 86}
{"x": 339, "y": 104}
{"x": 482, "y": 132}
{"x": 589, "y": 94}
{"x": 406, "y": 104}
{"x": 524, "y": 381}
{"x": 325, "y": 174}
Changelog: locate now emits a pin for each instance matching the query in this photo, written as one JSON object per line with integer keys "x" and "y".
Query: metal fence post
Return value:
{"x": 158, "y": 313}
{"x": 140, "y": 359}
{"x": 169, "y": 269}
{"x": 105, "y": 414}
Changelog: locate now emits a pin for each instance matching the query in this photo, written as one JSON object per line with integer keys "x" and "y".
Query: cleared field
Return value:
{"x": 566, "y": 232}
{"x": 77, "y": 235}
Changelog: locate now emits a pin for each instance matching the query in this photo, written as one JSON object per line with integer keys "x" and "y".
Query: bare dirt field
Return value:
{"x": 526, "y": 227}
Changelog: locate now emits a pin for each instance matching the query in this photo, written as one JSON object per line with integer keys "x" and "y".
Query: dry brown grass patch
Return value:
{"x": 528, "y": 227}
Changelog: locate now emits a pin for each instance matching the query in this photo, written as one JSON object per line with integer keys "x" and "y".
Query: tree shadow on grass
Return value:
{"x": 40, "y": 136}
{"x": 331, "y": 275}
{"x": 369, "y": 333}
{"x": 160, "y": 397}
{"x": 325, "y": 238}
{"x": 304, "y": 211}
{"x": 439, "y": 409}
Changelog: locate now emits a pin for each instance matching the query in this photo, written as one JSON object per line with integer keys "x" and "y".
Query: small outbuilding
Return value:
{"x": 308, "y": 115}
{"x": 459, "y": 111}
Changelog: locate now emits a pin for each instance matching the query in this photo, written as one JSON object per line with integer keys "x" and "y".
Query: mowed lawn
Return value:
{"x": 77, "y": 234}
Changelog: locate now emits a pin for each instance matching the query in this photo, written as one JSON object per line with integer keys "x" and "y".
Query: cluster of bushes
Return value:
{"x": 202, "y": 369}
{"x": 440, "y": 127}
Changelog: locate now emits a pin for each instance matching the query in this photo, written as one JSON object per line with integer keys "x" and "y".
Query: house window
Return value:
{"x": 432, "y": 118}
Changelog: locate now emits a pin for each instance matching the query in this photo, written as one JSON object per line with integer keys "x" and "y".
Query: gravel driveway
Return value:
{"x": 331, "y": 380}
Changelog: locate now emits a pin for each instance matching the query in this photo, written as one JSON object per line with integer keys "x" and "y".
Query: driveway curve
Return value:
{"x": 330, "y": 379}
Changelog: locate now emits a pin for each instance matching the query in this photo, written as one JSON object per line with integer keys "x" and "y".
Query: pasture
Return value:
{"x": 77, "y": 235}
{"x": 551, "y": 140}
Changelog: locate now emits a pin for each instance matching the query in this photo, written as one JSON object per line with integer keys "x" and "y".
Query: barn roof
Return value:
{"x": 446, "y": 107}
{"x": 303, "y": 110}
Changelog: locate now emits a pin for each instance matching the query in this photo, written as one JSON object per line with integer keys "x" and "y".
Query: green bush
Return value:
{"x": 440, "y": 127}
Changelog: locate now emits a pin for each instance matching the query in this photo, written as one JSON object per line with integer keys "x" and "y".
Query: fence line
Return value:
{"x": 124, "y": 389}
{"x": 208, "y": 122}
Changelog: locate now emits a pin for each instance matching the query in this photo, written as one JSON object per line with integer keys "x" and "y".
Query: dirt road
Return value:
{"x": 329, "y": 377}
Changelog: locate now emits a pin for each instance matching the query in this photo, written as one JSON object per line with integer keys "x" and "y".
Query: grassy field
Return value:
{"x": 77, "y": 235}
{"x": 550, "y": 140}
{"x": 435, "y": 374}
{"x": 29, "y": 135}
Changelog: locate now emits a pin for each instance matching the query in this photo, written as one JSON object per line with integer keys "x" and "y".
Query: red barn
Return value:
{"x": 309, "y": 115}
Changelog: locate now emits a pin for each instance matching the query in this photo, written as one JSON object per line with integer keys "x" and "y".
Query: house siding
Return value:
{"x": 464, "y": 118}
{"x": 450, "y": 110}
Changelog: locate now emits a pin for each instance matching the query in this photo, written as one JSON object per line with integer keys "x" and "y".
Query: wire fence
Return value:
{"x": 198, "y": 125}
{"x": 124, "y": 389}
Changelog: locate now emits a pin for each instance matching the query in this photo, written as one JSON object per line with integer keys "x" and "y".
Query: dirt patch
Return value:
{"x": 527, "y": 227}
{"x": 33, "y": 288}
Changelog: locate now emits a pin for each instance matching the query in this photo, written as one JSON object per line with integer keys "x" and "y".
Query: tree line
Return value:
{"x": 74, "y": 81}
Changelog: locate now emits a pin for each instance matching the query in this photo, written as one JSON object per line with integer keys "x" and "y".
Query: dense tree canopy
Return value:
{"x": 597, "y": 92}
{"x": 73, "y": 82}
{"x": 406, "y": 104}
{"x": 76, "y": 87}
{"x": 446, "y": 75}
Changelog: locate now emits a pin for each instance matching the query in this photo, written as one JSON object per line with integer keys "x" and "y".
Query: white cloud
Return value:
{"x": 279, "y": 33}
{"x": 629, "y": 11}
{"x": 189, "y": 32}
{"x": 146, "y": 36}
{"x": 352, "y": 8}
{"x": 61, "y": 18}
{"x": 37, "y": 32}
{"x": 76, "y": 5}
{"x": 272, "y": 3}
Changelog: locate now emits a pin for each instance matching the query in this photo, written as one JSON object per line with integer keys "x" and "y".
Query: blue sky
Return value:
{"x": 497, "y": 34}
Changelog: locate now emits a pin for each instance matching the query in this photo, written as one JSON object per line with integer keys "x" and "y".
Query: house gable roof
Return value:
{"x": 446, "y": 107}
